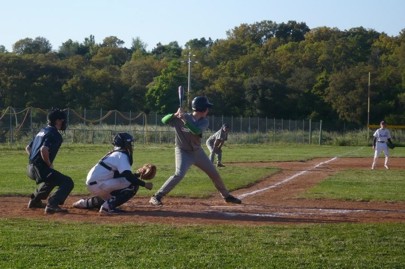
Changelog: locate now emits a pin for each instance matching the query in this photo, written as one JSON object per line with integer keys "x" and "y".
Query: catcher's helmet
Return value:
{"x": 200, "y": 103}
{"x": 123, "y": 140}
{"x": 57, "y": 114}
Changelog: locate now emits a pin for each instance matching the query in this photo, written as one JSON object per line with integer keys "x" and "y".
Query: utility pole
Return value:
{"x": 368, "y": 106}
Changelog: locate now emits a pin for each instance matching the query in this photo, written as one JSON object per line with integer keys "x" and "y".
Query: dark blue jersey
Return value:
{"x": 48, "y": 137}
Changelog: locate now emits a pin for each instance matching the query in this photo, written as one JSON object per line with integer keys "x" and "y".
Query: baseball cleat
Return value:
{"x": 386, "y": 166}
{"x": 54, "y": 209}
{"x": 155, "y": 200}
{"x": 35, "y": 204}
{"x": 82, "y": 204}
{"x": 220, "y": 165}
{"x": 232, "y": 199}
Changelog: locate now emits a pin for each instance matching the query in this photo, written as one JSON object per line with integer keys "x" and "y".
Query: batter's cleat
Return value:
{"x": 156, "y": 201}
{"x": 54, "y": 209}
{"x": 35, "y": 204}
{"x": 386, "y": 166}
{"x": 232, "y": 199}
{"x": 220, "y": 165}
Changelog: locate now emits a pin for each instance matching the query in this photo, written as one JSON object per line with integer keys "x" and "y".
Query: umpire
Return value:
{"x": 42, "y": 151}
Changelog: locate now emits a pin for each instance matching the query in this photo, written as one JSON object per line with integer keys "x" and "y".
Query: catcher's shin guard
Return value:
{"x": 89, "y": 203}
{"x": 122, "y": 196}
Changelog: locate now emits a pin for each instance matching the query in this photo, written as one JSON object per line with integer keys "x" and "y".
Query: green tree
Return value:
{"x": 32, "y": 46}
{"x": 162, "y": 94}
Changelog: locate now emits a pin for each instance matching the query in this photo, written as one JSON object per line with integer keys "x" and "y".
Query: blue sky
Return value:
{"x": 164, "y": 21}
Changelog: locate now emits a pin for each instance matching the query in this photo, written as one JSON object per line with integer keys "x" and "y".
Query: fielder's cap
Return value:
{"x": 383, "y": 122}
{"x": 225, "y": 125}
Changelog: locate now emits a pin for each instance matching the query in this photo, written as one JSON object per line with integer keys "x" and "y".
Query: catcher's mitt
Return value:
{"x": 390, "y": 145}
{"x": 147, "y": 171}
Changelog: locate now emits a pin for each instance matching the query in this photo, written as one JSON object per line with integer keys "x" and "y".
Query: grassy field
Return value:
{"x": 52, "y": 244}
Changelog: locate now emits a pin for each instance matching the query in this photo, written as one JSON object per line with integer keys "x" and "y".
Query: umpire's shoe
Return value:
{"x": 232, "y": 199}
{"x": 35, "y": 203}
{"x": 49, "y": 209}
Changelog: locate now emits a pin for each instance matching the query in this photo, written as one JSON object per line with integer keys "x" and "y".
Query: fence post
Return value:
{"x": 320, "y": 132}
{"x": 310, "y": 131}
{"x": 11, "y": 127}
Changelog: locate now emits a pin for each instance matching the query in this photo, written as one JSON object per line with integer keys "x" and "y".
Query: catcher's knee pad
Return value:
{"x": 122, "y": 196}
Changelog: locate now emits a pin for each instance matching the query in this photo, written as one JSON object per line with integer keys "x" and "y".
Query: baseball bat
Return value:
{"x": 181, "y": 96}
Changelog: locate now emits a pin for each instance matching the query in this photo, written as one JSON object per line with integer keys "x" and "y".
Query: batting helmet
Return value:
{"x": 200, "y": 103}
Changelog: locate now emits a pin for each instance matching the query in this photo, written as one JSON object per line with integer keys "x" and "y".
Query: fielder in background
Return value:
{"x": 382, "y": 136}
{"x": 42, "y": 151}
{"x": 189, "y": 128}
{"x": 111, "y": 180}
{"x": 215, "y": 142}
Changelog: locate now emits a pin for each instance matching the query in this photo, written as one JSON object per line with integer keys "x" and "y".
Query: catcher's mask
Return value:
{"x": 124, "y": 141}
{"x": 57, "y": 114}
{"x": 200, "y": 103}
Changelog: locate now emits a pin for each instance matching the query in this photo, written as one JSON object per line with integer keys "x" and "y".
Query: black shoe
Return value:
{"x": 232, "y": 199}
{"x": 35, "y": 204}
{"x": 54, "y": 209}
{"x": 220, "y": 165}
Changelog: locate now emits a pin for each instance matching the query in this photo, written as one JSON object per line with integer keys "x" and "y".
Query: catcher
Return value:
{"x": 215, "y": 142}
{"x": 111, "y": 181}
{"x": 381, "y": 143}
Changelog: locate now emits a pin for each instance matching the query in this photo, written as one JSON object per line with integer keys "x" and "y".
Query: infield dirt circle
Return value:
{"x": 273, "y": 200}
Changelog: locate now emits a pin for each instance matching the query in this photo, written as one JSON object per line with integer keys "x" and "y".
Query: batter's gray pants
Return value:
{"x": 184, "y": 160}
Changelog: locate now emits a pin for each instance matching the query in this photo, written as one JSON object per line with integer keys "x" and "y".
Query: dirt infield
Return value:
{"x": 273, "y": 200}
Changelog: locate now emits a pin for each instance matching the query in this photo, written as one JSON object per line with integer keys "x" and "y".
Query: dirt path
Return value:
{"x": 273, "y": 200}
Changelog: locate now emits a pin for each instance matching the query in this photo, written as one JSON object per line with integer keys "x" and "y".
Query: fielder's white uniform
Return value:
{"x": 101, "y": 182}
{"x": 381, "y": 135}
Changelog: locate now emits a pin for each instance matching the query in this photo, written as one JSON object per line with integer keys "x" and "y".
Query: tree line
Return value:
{"x": 265, "y": 69}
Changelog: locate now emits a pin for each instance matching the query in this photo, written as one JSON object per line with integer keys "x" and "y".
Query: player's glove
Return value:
{"x": 147, "y": 171}
{"x": 390, "y": 144}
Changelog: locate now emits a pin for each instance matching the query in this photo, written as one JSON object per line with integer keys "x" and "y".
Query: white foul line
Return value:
{"x": 285, "y": 180}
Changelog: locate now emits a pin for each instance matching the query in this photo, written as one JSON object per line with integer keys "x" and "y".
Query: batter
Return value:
{"x": 189, "y": 128}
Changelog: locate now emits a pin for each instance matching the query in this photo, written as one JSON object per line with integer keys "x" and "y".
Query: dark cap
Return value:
{"x": 200, "y": 103}
{"x": 56, "y": 114}
{"x": 383, "y": 122}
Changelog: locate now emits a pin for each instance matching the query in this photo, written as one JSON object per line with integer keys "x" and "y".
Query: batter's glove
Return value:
{"x": 390, "y": 145}
{"x": 147, "y": 171}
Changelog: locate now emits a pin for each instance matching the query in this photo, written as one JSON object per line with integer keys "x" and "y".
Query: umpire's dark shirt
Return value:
{"x": 48, "y": 137}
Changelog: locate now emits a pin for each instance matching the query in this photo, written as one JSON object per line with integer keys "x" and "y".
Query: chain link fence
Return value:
{"x": 91, "y": 126}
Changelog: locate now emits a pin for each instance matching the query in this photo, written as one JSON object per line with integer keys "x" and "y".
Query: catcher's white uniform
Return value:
{"x": 100, "y": 180}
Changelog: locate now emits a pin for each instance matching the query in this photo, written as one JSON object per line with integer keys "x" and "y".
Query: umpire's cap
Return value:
{"x": 200, "y": 103}
{"x": 56, "y": 114}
